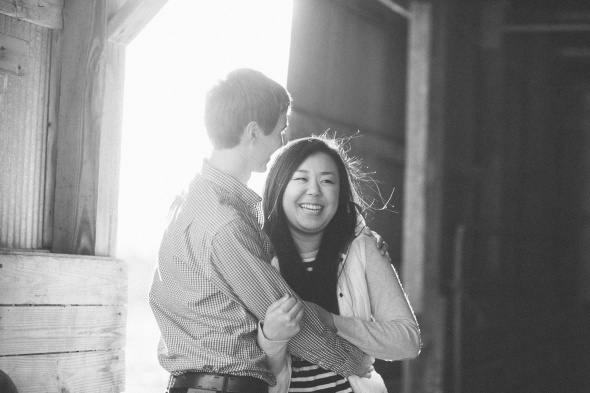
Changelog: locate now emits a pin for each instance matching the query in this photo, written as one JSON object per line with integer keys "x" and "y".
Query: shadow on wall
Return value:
{"x": 6, "y": 384}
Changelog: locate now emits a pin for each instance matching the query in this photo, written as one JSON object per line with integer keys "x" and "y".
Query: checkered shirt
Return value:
{"x": 214, "y": 282}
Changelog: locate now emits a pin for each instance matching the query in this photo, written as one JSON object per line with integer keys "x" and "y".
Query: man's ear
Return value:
{"x": 253, "y": 131}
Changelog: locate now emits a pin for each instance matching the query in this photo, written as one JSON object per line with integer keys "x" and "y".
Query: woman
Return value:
{"x": 312, "y": 207}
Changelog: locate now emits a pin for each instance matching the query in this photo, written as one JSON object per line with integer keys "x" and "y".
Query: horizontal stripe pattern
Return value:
{"x": 308, "y": 377}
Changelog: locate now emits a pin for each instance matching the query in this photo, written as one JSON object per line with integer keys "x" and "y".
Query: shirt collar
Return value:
{"x": 234, "y": 189}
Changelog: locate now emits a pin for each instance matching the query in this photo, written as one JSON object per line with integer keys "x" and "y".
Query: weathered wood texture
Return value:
{"x": 13, "y": 54}
{"x": 23, "y": 131}
{"x": 91, "y": 372}
{"x": 80, "y": 124}
{"x": 52, "y": 128}
{"x": 131, "y": 18}
{"x": 46, "y": 13}
{"x": 423, "y": 195}
{"x": 36, "y": 279}
{"x": 110, "y": 152}
{"x": 37, "y": 330}
{"x": 62, "y": 322}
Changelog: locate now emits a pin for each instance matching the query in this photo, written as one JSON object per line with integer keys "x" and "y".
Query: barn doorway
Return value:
{"x": 168, "y": 68}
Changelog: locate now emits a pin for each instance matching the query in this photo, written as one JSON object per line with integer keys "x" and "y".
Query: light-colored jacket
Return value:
{"x": 394, "y": 337}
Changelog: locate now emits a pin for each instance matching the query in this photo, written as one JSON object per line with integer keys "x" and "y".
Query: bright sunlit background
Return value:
{"x": 185, "y": 48}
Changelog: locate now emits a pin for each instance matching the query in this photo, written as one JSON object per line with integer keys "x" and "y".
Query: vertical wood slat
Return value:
{"x": 23, "y": 102}
{"x": 110, "y": 152}
{"x": 80, "y": 118}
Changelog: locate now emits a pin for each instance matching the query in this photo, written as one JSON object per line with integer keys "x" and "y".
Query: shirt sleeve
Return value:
{"x": 239, "y": 270}
{"x": 276, "y": 351}
{"x": 394, "y": 333}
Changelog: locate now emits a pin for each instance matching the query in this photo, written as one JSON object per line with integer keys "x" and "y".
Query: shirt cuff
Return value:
{"x": 271, "y": 347}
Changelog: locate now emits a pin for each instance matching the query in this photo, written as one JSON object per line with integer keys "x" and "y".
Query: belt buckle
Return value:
{"x": 211, "y": 382}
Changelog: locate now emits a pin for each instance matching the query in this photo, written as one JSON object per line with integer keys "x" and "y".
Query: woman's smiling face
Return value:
{"x": 311, "y": 196}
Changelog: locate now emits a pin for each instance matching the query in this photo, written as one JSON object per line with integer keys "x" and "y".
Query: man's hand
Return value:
{"x": 283, "y": 319}
{"x": 366, "y": 367}
{"x": 381, "y": 244}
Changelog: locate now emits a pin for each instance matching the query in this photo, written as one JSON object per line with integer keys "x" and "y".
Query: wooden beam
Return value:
{"x": 126, "y": 24}
{"x": 101, "y": 371}
{"x": 43, "y": 278}
{"x": 46, "y": 13}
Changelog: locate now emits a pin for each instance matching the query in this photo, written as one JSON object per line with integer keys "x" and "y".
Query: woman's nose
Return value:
{"x": 313, "y": 188}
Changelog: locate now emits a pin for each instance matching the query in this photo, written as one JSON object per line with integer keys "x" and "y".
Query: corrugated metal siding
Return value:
{"x": 23, "y": 139}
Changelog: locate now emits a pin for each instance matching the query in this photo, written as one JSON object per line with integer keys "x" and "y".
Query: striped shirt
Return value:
{"x": 214, "y": 282}
{"x": 308, "y": 377}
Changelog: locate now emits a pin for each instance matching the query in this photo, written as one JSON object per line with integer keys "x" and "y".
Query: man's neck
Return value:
{"x": 231, "y": 162}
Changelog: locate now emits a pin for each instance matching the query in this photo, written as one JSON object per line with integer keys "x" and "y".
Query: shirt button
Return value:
{"x": 341, "y": 295}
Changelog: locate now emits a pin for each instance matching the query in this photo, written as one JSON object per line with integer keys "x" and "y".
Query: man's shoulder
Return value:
{"x": 205, "y": 205}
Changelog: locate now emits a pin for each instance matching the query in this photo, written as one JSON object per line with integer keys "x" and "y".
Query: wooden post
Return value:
{"x": 423, "y": 194}
{"x": 80, "y": 124}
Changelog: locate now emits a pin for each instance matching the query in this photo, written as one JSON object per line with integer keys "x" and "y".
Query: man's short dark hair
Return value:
{"x": 244, "y": 95}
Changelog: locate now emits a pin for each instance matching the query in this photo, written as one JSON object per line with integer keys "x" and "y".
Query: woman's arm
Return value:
{"x": 394, "y": 333}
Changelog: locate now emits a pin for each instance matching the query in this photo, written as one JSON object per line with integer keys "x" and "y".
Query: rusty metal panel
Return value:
{"x": 23, "y": 136}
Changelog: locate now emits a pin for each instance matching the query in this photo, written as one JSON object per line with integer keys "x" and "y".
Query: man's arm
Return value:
{"x": 239, "y": 271}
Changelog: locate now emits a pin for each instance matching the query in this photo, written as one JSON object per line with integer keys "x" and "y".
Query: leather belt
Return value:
{"x": 207, "y": 383}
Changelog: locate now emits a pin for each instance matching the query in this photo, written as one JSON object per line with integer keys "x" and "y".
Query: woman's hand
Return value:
{"x": 283, "y": 319}
{"x": 380, "y": 243}
{"x": 366, "y": 367}
{"x": 326, "y": 317}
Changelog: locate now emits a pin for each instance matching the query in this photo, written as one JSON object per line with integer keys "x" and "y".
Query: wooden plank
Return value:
{"x": 46, "y": 13}
{"x": 35, "y": 330}
{"x": 52, "y": 128}
{"x": 31, "y": 278}
{"x": 80, "y": 117}
{"x": 96, "y": 372}
{"x": 126, "y": 24}
{"x": 110, "y": 152}
{"x": 13, "y": 54}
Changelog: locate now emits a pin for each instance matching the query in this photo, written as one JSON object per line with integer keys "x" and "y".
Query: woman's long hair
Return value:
{"x": 321, "y": 288}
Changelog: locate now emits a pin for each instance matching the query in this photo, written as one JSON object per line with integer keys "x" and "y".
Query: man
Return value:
{"x": 214, "y": 281}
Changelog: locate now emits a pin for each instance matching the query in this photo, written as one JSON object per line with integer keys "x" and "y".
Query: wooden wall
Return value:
{"x": 62, "y": 317}
{"x": 62, "y": 322}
